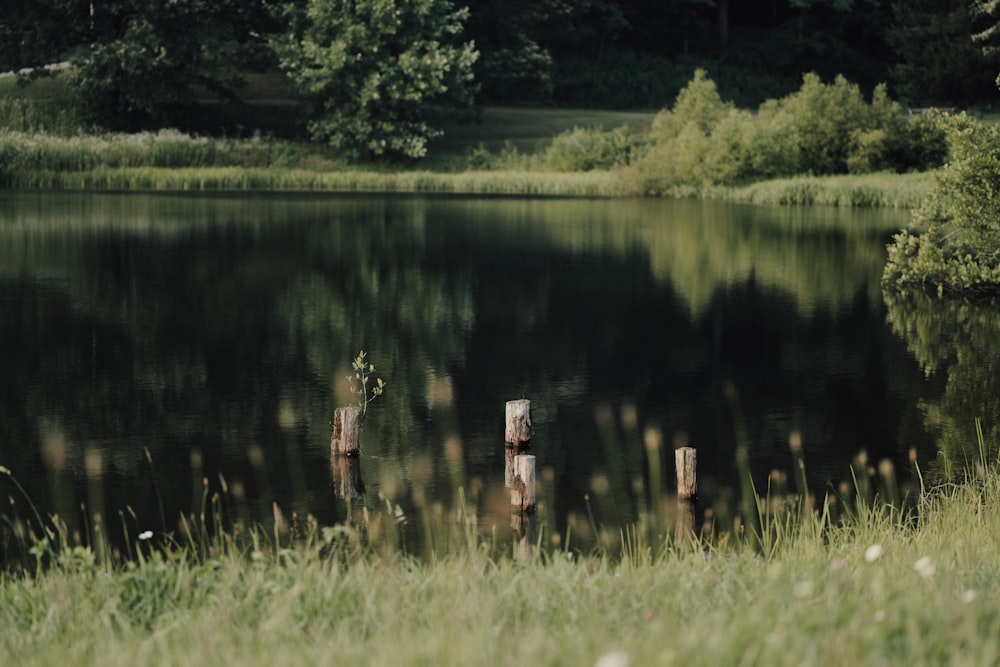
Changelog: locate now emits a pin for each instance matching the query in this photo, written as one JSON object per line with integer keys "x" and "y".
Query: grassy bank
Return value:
{"x": 583, "y": 184}
{"x": 884, "y": 190}
{"x": 878, "y": 590}
{"x": 172, "y": 161}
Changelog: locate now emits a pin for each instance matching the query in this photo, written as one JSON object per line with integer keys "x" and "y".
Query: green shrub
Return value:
{"x": 957, "y": 248}
{"x": 584, "y": 149}
{"x": 775, "y": 147}
{"x": 822, "y": 128}
{"x": 19, "y": 115}
{"x": 507, "y": 158}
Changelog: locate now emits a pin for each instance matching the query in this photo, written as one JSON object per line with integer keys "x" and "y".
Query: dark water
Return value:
{"x": 150, "y": 342}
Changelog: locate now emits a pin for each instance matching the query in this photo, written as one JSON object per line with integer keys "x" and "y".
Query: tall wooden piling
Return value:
{"x": 522, "y": 489}
{"x": 686, "y": 462}
{"x": 346, "y": 431}
{"x": 518, "y": 424}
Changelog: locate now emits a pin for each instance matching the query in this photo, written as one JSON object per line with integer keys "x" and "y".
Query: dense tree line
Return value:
{"x": 142, "y": 63}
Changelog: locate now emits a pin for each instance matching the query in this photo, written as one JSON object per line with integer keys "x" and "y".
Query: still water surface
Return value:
{"x": 152, "y": 341}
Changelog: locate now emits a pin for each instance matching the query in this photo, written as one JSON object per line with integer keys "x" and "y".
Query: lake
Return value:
{"x": 157, "y": 347}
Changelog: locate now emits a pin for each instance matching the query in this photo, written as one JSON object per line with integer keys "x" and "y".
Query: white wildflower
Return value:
{"x": 873, "y": 552}
{"x": 924, "y": 567}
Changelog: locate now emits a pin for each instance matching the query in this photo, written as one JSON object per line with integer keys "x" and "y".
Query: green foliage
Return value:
{"x": 507, "y": 158}
{"x": 19, "y": 115}
{"x": 583, "y": 149}
{"x": 958, "y": 247}
{"x": 144, "y": 60}
{"x": 370, "y": 68}
{"x": 363, "y": 370}
{"x": 821, "y": 129}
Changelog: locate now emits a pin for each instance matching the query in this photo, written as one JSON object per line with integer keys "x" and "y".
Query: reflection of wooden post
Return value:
{"x": 686, "y": 462}
{"x": 523, "y": 525}
{"x": 522, "y": 489}
{"x": 684, "y": 527}
{"x": 518, "y": 429}
{"x": 346, "y": 431}
{"x": 346, "y": 473}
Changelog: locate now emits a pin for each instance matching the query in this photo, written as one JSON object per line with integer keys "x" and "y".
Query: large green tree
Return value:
{"x": 369, "y": 69}
{"x": 147, "y": 61}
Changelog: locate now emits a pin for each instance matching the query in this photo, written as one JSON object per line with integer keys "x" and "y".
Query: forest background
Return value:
{"x": 145, "y": 65}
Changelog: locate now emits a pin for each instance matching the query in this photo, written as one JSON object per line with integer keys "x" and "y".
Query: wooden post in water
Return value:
{"x": 686, "y": 462}
{"x": 522, "y": 488}
{"x": 517, "y": 435}
{"x": 518, "y": 430}
{"x": 346, "y": 431}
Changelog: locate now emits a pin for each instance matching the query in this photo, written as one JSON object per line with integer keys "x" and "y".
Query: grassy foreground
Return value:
{"x": 876, "y": 591}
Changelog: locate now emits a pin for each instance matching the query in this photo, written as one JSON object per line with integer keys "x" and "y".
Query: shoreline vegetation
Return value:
{"x": 902, "y": 191}
{"x": 867, "y": 154}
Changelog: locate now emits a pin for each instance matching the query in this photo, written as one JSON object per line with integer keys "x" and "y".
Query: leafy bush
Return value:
{"x": 17, "y": 115}
{"x": 820, "y": 129}
{"x": 508, "y": 158}
{"x": 584, "y": 149}
{"x": 959, "y": 247}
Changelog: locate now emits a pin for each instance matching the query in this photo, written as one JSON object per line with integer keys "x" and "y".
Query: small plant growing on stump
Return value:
{"x": 363, "y": 370}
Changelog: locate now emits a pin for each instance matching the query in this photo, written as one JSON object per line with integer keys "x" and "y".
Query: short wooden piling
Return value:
{"x": 518, "y": 424}
{"x": 522, "y": 489}
{"x": 346, "y": 431}
{"x": 686, "y": 462}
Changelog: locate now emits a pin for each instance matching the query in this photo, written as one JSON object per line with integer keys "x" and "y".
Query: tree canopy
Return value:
{"x": 369, "y": 68}
{"x": 148, "y": 63}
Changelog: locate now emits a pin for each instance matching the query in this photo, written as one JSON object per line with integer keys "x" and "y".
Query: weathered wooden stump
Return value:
{"x": 522, "y": 488}
{"x": 518, "y": 424}
{"x": 346, "y": 431}
{"x": 686, "y": 462}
